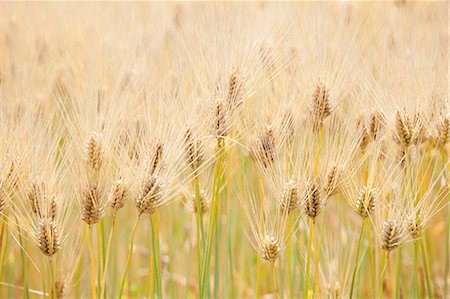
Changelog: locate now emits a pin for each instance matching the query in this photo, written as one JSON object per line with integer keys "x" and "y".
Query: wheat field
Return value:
{"x": 224, "y": 150}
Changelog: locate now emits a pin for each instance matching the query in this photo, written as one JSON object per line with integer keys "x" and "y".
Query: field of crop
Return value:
{"x": 224, "y": 150}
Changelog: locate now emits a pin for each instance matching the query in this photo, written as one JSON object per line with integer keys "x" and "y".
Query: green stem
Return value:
{"x": 308, "y": 258}
{"x": 447, "y": 254}
{"x": 79, "y": 268}
{"x": 52, "y": 279}
{"x": 383, "y": 273}
{"x": 212, "y": 222}
{"x": 26, "y": 292}
{"x": 355, "y": 271}
{"x": 258, "y": 277}
{"x": 111, "y": 233}
{"x": 99, "y": 256}
{"x": 372, "y": 261}
{"x": 217, "y": 247}
{"x": 200, "y": 233}
{"x": 130, "y": 254}
{"x": 426, "y": 270}
{"x": 398, "y": 273}
{"x": 91, "y": 254}
{"x": 275, "y": 283}
{"x": 414, "y": 286}
{"x": 156, "y": 252}
{"x": 2, "y": 261}
{"x": 44, "y": 288}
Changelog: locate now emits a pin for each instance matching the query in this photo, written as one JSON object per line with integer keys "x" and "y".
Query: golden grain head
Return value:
{"x": 270, "y": 247}
{"x": 203, "y": 201}
{"x": 414, "y": 226}
{"x": 149, "y": 196}
{"x": 290, "y": 197}
{"x": 155, "y": 158}
{"x": 403, "y": 129}
{"x": 444, "y": 130}
{"x": 48, "y": 237}
{"x": 391, "y": 235}
{"x": 91, "y": 207}
{"x": 37, "y": 195}
{"x": 235, "y": 90}
{"x": 265, "y": 148}
{"x": 332, "y": 180}
{"x": 376, "y": 125}
{"x": 321, "y": 104}
{"x": 119, "y": 194}
{"x": 94, "y": 151}
{"x": 193, "y": 148}
{"x": 221, "y": 122}
{"x": 365, "y": 204}
{"x": 60, "y": 288}
{"x": 313, "y": 203}
{"x": 363, "y": 131}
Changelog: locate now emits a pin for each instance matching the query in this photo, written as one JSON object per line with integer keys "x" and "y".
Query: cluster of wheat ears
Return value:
{"x": 221, "y": 150}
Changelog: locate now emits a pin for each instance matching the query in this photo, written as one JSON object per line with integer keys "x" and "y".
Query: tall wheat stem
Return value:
{"x": 91, "y": 254}
{"x": 383, "y": 273}
{"x": 26, "y": 292}
{"x": 414, "y": 285}
{"x": 130, "y": 254}
{"x": 52, "y": 279}
{"x": 308, "y": 258}
{"x": 398, "y": 273}
{"x": 355, "y": 270}
{"x": 156, "y": 252}
{"x": 108, "y": 249}
{"x": 199, "y": 222}
{"x": 426, "y": 270}
{"x": 212, "y": 221}
{"x": 258, "y": 277}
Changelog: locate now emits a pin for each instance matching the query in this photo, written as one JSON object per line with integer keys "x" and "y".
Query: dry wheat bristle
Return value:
{"x": 332, "y": 180}
{"x": 444, "y": 130}
{"x": 365, "y": 204}
{"x": 204, "y": 203}
{"x": 235, "y": 90}
{"x": 3, "y": 197}
{"x": 321, "y": 104}
{"x": 149, "y": 196}
{"x": 193, "y": 148}
{"x": 94, "y": 151}
{"x": 11, "y": 180}
{"x": 290, "y": 198}
{"x": 404, "y": 130}
{"x": 390, "y": 235}
{"x": 270, "y": 247}
{"x": 48, "y": 237}
{"x": 418, "y": 128}
{"x": 288, "y": 125}
{"x": 119, "y": 194}
{"x": 313, "y": 204}
{"x": 221, "y": 121}
{"x": 265, "y": 149}
{"x": 92, "y": 211}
